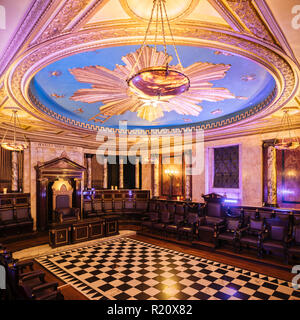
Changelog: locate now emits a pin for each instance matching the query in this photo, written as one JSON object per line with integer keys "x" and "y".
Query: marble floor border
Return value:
{"x": 35, "y": 252}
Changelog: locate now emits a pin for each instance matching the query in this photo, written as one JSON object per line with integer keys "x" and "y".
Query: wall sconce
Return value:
{"x": 171, "y": 172}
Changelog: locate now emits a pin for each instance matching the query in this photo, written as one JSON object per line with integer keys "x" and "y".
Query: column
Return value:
{"x": 156, "y": 177}
{"x": 26, "y": 171}
{"x": 78, "y": 198}
{"x": 272, "y": 176}
{"x": 121, "y": 180}
{"x": 105, "y": 173}
{"x": 137, "y": 172}
{"x": 15, "y": 172}
{"x": 41, "y": 221}
{"x": 188, "y": 174}
{"x": 89, "y": 170}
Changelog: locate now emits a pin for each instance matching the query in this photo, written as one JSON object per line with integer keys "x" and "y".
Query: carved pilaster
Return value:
{"x": 121, "y": 166}
{"x": 89, "y": 171}
{"x": 188, "y": 175}
{"x": 156, "y": 178}
{"x": 15, "y": 172}
{"x": 105, "y": 173}
{"x": 272, "y": 176}
{"x": 137, "y": 172}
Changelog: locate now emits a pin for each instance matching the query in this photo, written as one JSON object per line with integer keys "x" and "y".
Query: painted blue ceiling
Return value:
{"x": 53, "y": 90}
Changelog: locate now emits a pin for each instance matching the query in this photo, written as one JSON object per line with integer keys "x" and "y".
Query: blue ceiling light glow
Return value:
{"x": 231, "y": 200}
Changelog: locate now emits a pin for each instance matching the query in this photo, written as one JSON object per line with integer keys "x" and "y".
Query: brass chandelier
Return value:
{"x": 13, "y": 145}
{"x": 289, "y": 143}
{"x": 158, "y": 82}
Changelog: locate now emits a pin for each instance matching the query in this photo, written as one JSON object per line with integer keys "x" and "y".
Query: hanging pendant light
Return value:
{"x": 158, "y": 82}
{"x": 13, "y": 145}
{"x": 290, "y": 143}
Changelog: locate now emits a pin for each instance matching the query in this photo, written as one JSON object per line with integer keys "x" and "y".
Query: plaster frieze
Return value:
{"x": 68, "y": 11}
{"x": 247, "y": 13}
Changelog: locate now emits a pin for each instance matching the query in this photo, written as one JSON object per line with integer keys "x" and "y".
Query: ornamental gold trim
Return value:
{"x": 25, "y": 67}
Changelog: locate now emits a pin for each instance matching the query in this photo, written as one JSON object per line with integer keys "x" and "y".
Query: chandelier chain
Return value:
{"x": 156, "y": 27}
{"x": 144, "y": 41}
{"x": 171, "y": 33}
{"x": 162, "y": 27}
{"x": 7, "y": 129}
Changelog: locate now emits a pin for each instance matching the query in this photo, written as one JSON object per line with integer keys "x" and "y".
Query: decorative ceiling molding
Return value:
{"x": 228, "y": 15}
{"x": 92, "y": 142}
{"x": 25, "y": 67}
{"x": 3, "y": 96}
{"x": 66, "y": 12}
{"x": 62, "y": 37}
{"x": 37, "y": 9}
{"x": 246, "y": 11}
{"x": 81, "y": 20}
{"x": 275, "y": 28}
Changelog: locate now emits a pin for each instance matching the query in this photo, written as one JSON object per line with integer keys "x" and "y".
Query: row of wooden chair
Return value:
{"x": 170, "y": 219}
{"x": 266, "y": 232}
{"x": 25, "y": 283}
{"x": 278, "y": 235}
{"x": 98, "y": 207}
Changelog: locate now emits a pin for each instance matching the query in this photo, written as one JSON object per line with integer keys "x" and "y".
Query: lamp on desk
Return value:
{"x": 171, "y": 173}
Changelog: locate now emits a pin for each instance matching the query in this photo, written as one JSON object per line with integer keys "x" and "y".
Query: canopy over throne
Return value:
{"x": 59, "y": 191}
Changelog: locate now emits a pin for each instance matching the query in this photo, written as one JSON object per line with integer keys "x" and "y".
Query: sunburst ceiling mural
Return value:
{"x": 148, "y": 94}
{"x": 90, "y": 89}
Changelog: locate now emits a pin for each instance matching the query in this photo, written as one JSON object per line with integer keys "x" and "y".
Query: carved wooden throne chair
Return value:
{"x": 62, "y": 202}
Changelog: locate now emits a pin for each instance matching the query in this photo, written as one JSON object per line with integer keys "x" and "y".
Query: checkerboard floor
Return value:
{"x": 127, "y": 269}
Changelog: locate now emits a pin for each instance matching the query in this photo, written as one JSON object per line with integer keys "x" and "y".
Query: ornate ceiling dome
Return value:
{"x": 72, "y": 67}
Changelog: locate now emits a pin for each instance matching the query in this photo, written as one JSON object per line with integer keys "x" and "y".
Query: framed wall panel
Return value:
{"x": 226, "y": 167}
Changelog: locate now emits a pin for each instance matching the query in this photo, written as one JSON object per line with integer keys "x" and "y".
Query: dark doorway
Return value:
{"x": 113, "y": 173}
{"x": 129, "y": 175}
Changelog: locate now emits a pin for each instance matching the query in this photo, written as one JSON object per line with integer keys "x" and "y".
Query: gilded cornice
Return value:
{"x": 25, "y": 67}
{"x": 247, "y": 13}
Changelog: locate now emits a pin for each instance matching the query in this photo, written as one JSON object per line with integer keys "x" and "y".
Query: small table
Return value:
{"x": 88, "y": 229}
{"x": 59, "y": 234}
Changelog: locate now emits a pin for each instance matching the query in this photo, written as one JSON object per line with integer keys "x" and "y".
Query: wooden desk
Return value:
{"x": 61, "y": 234}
